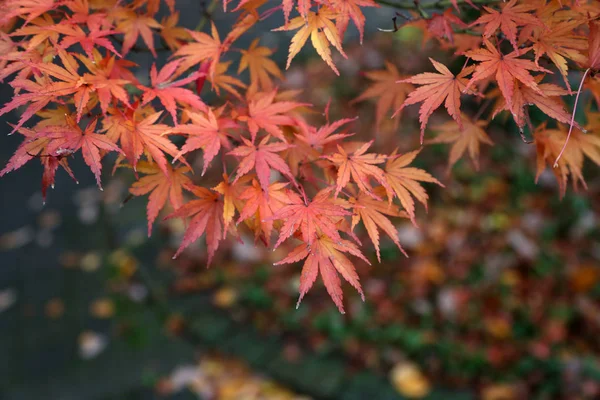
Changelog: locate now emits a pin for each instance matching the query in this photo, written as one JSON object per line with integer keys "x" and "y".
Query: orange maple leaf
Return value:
{"x": 133, "y": 24}
{"x": 170, "y": 91}
{"x": 322, "y": 32}
{"x": 373, "y": 213}
{"x": 207, "y": 212}
{"x": 266, "y": 113}
{"x": 350, "y": 9}
{"x": 163, "y": 187}
{"x": 508, "y": 19}
{"x": 325, "y": 256}
{"x": 549, "y": 144}
{"x": 404, "y": 181}
{"x": 360, "y": 167}
{"x": 390, "y": 95}
{"x": 262, "y": 158}
{"x": 507, "y": 69}
{"x": 436, "y": 89}
{"x": 257, "y": 60}
{"x": 205, "y": 48}
{"x": 206, "y": 132}
{"x": 261, "y": 206}
{"x": 69, "y": 137}
{"x": 314, "y": 219}
{"x": 468, "y": 138}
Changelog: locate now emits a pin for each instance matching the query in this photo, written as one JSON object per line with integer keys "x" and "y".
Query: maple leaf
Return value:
{"x": 220, "y": 80}
{"x": 231, "y": 196}
{"x": 25, "y": 9}
{"x": 173, "y": 35}
{"x": 322, "y": 32}
{"x": 440, "y": 25}
{"x": 35, "y": 144}
{"x": 507, "y": 69}
{"x": 325, "y": 256}
{"x": 71, "y": 83}
{"x": 507, "y": 20}
{"x": 169, "y": 91}
{"x": 389, "y": 93}
{"x": 145, "y": 136}
{"x": 206, "y": 132}
{"x": 40, "y": 30}
{"x": 404, "y": 181}
{"x": 310, "y": 142}
{"x": 549, "y": 144}
{"x": 559, "y": 43}
{"x": 96, "y": 37}
{"x": 207, "y": 212}
{"x": 262, "y": 158}
{"x": 314, "y": 219}
{"x": 262, "y": 206}
{"x": 257, "y": 60}
{"x": 468, "y": 138}
{"x": 266, "y": 113}
{"x": 373, "y": 213}
{"x": 161, "y": 187}
{"x": 106, "y": 83}
{"x": 548, "y": 101}
{"x": 436, "y": 89}
{"x": 134, "y": 24}
{"x": 205, "y": 48}
{"x": 350, "y": 9}
{"x": 360, "y": 167}
{"x": 70, "y": 138}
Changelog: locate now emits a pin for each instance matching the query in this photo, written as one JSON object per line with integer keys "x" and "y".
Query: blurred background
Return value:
{"x": 499, "y": 299}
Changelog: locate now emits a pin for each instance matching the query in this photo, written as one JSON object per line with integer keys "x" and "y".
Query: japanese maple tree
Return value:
{"x": 285, "y": 173}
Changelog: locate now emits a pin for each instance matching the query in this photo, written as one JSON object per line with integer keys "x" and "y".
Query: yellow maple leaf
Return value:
{"x": 322, "y": 32}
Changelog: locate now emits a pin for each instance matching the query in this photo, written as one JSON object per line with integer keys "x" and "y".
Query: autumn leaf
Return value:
{"x": 207, "y": 218}
{"x": 507, "y": 20}
{"x": 373, "y": 213}
{"x": 69, "y": 138}
{"x": 133, "y": 24}
{"x": 95, "y": 37}
{"x": 170, "y": 91}
{"x": 325, "y": 256}
{"x": 264, "y": 112}
{"x": 316, "y": 218}
{"x": 35, "y": 144}
{"x": 173, "y": 35}
{"x": 548, "y": 101}
{"x": 204, "y": 48}
{"x": 220, "y": 80}
{"x": 257, "y": 60}
{"x": 231, "y": 192}
{"x": 322, "y": 32}
{"x": 404, "y": 181}
{"x": 206, "y": 132}
{"x": 161, "y": 187}
{"x": 350, "y": 9}
{"x": 146, "y": 136}
{"x": 549, "y": 144}
{"x": 440, "y": 25}
{"x": 468, "y": 138}
{"x": 262, "y": 158}
{"x": 436, "y": 89}
{"x": 360, "y": 167}
{"x": 507, "y": 69}
{"x": 560, "y": 44}
{"x": 389, "y": 94}
{"x": 261, "y": 206}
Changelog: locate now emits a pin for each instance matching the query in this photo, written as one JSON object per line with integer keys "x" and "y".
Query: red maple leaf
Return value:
{"x": 170, "y": 91}
{"x": 262, "y": 158}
